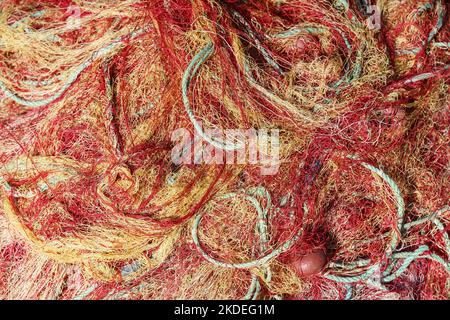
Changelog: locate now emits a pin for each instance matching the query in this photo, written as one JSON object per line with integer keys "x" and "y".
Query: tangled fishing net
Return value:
{"x": 93, "y": 206}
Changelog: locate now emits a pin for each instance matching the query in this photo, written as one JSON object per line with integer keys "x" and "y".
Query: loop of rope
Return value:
{"x": 74, "y": 76}
{"x": 188, "y": 75}
{"x": 262, "y": 230}
{"x": 244, "y": 265}
{"x": 408, "y": 257}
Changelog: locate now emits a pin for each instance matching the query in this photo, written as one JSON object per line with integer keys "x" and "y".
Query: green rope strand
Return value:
{"x": 408, "y": 257}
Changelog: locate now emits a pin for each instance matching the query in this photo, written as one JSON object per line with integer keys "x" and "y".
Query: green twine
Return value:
{"x": 190, "y": 72}
{"x": 244, "y": 265}
{"x": 73, "y": 77}
{"x": 262, "y": 230}
{"x": 407, "y": 257}
{"x": 350, "y": 74}
{"x": 349, "y": 294}
{"x": 85, "y": 293}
